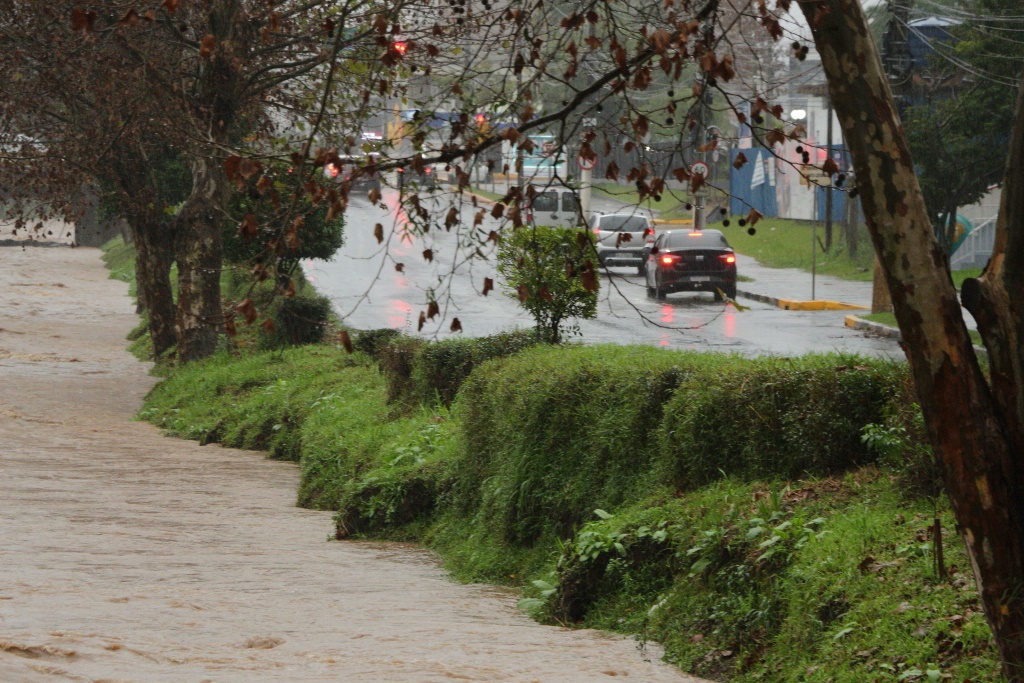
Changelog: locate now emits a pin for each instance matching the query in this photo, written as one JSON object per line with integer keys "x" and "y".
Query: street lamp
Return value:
{"x": 798, "y": 114}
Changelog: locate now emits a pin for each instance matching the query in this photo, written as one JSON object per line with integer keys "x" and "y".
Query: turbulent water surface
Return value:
{"x": 128, "y": 556}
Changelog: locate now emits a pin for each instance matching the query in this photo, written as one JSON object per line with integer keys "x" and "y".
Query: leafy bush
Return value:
{"x": 553, "y": 432}
{"x": 440, "y": 368}
{"x": 778, "y": 417}
{"x": 319, "y": 238}
{"x": 371, "y": 342}
{"x": 552, "y": 273}
{"x": 302, "y": 319}
{"x": 419, "y": 371}
{"x": 396, "y": 360}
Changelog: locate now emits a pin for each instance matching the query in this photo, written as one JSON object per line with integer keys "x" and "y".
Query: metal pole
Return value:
{"x": 814, "y": 246}
{"x": 814, "y": 259}
{"x": 828, "y": 186}
{"x": 585, "y": 174}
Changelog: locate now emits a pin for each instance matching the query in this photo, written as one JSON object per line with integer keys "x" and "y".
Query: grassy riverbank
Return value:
{"x": 726, "y": 507}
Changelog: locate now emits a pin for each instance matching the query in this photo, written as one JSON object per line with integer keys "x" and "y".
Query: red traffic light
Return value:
{"x": 400, "y": 46}
{"x": 480, "y": 119}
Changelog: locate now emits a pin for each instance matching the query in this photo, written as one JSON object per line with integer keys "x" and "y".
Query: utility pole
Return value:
{"x": 828, "y": 185}
{"x": 701, "y": 138}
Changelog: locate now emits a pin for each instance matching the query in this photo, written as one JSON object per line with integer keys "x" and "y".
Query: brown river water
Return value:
{"x": 129, "y": 556}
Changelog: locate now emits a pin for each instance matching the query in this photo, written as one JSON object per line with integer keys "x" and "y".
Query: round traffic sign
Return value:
{"x": 548, "y": 147}
{"x": 699, "y": 168}
{"x": 586, "y": 164}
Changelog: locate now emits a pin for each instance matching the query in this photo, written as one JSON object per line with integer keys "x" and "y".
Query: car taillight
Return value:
{"x": 597, "y": 231}
{"x": 728, "y": 258}
{"x": 428, "y": 170}
{"x": 668, "y": 259}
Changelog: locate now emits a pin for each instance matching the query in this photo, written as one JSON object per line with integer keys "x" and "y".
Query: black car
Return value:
{"x": 691, "y": 261}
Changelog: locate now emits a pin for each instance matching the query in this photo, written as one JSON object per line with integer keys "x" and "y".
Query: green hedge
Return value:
{"x": 777, "y": 417}
{"x": 432, "y": 372}
{"x": 552, "y": 434}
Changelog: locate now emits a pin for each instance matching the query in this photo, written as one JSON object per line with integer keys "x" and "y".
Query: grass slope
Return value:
{"x": 725, "y": 507}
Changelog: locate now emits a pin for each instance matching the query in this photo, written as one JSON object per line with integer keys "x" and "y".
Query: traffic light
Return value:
{"x": 483, "y": 127}
{"x": 400, "y": 46}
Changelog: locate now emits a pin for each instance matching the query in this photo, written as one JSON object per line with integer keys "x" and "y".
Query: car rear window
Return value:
{"x": 569, "y": 202}
{"x": 623, "y": 223}
{"x": 707, "y": 239}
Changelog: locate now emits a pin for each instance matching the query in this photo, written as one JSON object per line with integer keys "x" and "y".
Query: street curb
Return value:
{"x": 794, "y": 305}
{"x": 855, "y": 323}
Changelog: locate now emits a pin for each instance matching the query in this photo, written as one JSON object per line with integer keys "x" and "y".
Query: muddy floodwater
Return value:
{"x": 129, "y": 556}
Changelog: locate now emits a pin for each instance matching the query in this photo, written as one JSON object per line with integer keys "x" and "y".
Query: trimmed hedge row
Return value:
{"x": 553, "y": 433}
{"x": 431, "y": 373}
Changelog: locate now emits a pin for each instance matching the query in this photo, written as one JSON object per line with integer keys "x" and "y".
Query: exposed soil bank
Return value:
{"x": 129, "y": 556}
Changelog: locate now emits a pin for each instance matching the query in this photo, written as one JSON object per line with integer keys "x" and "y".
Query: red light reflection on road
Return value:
{"x": 399, "y": 313}
{"x": 668, "y": 314}
{"x": 730, "y": 322}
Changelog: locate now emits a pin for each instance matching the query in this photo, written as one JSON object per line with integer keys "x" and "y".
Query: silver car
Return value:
{"x": 623, "y": 239}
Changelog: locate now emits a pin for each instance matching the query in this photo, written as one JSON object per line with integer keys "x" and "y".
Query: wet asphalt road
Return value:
{"x": 368, "y": 292}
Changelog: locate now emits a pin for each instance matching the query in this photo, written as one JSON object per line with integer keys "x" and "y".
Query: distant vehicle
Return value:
{"x": 427, "y": 180}
{"x": 623, "y": 239}
{"x": 557, "y": 207}
{"x": 350, "y": 170}
{"x": 687, "y": 261}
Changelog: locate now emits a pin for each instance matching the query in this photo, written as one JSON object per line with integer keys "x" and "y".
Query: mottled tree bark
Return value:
{"x": 199, "y": 255}
{"x": 219, "y": 99}
{"x": 974, "y": 428}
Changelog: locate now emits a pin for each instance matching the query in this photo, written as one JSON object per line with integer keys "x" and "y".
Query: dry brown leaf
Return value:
{"x": 346, "y": 340}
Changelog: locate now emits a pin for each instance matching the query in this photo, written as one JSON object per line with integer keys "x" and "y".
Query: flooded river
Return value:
{"x": 128, "y": 556}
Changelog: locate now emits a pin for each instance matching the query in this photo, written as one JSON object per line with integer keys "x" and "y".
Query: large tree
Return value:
{"x": 976, "y": 423}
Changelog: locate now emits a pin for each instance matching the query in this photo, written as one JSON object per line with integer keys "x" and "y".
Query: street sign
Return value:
{"x": 548, "y": 147}
{"x": 586, "y": 164}
{"x": 699, "y": 168}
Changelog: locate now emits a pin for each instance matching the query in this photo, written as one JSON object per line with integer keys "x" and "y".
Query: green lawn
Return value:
{"x": 783, "y": 243}
{"x": 890, "y": 320}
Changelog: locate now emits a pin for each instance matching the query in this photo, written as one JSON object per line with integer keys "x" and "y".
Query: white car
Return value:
{"x": 623, "y": 239}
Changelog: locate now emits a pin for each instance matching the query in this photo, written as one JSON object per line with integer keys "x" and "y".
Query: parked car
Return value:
{"x": 350, "y": 171}
{"x": 687, "y": 261}
{"x": 557, "y": 207}
{"x": 623, "y": 239}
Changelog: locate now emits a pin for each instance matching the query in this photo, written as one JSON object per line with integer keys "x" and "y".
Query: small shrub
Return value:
{"x": 552, "y": 273}
{"x": 371, "y": 342}
{"x": 396, "y": 363}
{"x": 299, "y": 320}
{"x": 440, "y": 368}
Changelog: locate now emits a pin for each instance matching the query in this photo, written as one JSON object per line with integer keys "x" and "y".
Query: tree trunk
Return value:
{"x": 154, "y": 254}
{"x": 199, "y": 257}
{"x": 977, "y": 440}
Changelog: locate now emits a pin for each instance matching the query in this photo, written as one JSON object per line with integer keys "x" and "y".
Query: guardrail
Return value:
{"x": 976, "y": 248}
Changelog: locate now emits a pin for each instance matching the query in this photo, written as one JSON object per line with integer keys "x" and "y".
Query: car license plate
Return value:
{"x": 700, "y": 278}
